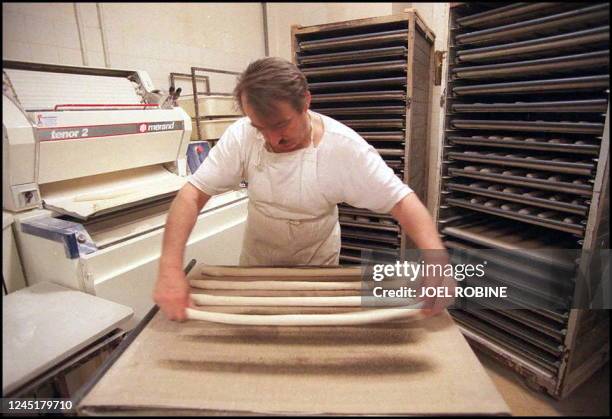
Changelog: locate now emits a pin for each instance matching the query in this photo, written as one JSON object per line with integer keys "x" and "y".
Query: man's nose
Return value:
{"x": 273, "y": 137}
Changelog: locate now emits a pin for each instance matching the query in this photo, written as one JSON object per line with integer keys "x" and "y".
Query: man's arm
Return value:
{"x": 416, "y": 222}
{"x": 419, "y": 226}
{"x": 172, "y": 289}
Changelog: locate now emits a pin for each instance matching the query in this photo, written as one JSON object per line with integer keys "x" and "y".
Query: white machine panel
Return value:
{"x": 45, "y": 90}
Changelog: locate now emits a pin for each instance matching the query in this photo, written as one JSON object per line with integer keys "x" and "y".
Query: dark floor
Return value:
{"x": 590, "y": 399}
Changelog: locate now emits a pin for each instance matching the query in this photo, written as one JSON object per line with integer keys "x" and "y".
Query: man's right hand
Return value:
{"x": 172, "y": 294}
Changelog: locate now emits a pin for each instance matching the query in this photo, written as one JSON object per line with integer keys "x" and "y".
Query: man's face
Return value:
{"x": 284, "y": 131}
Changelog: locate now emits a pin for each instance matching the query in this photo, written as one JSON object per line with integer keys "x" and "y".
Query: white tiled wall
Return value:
{"x": 157, "y": 37}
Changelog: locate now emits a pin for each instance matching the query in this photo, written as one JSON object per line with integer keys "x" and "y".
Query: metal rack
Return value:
{"x": 374, "y": 75}
{"x": 524, "y": 168}
{"x": 194, "y": 77}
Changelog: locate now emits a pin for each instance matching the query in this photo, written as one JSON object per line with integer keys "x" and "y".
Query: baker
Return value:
{"x": 299, "y": 165}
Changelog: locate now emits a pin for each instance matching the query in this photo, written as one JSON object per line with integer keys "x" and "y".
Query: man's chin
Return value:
{"x": 285, "y": 148}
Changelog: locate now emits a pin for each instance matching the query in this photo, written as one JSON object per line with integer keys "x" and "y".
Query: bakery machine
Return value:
{"x": 92, "y": 158}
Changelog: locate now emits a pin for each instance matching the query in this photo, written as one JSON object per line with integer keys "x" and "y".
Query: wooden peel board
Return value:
{"x": 420, "y": 368}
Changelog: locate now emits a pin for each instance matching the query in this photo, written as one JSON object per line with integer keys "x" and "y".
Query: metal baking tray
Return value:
{"x": 383, "y": 135}
{"x": 365, "y": 244}
{"x": 548, "y": 292}
{"x": 519, "y": 177}
{"x": 556, "y": 220}
{"x": 537, "y": 126}
{"x": 352, "y": 56}
{"x": 399, "y": 36}
{"x": 538, "y": 67}
{"x": 394, "y": 228}
{"x": 366, "y": 233}
{"x": 375, "y": 249}
{"x": 373, "y": 123}
{"x": 530, "y": 319}
{"x": 535, "y": 338}
{"x": 373, "y": 96}
{"x": 523, "y": 198}
{"x": 363, "y": 68}
{"x": 528, "y": 279}
{"x": 537, "y": 47}
{"x": 495, "y": 233}
{"x": 546, "y": 163}
{"x": 345, "y": 209}
{"x": 391, "y": 152}
{"x": 573, "y": 106}
{"x": 541, "y": 358}
{"x": 504, "y": 14}
{"x": 569, "y": 84}
{"x": 358, "y": 84}
{"x": 538, "y": 26}
{"x": 555, "y": 320}
{"x": 528, "y": 143}
{"x": 363, "y": 110}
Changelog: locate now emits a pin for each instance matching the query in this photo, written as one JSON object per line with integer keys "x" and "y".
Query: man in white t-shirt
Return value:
{"x": 298, "y": 165}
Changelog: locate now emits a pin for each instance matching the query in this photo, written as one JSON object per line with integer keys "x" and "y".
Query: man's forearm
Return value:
{"x": 179, "y": 224}
{"x": 417, "y": 223}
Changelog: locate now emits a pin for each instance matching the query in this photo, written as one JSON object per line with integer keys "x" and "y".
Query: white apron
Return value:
{"x": 289, "y": 220}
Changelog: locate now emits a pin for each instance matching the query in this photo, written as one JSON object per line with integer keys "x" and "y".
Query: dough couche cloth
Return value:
{"x": 423, "y": 368}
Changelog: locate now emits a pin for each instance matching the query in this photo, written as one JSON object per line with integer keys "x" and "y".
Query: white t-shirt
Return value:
{"x": 348, "y": 168}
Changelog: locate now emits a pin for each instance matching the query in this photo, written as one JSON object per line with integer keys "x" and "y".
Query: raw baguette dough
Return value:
{"x": 274, "y": 285}
{"x": 271, "y": 272}
{"x": 342, "y": 319}
{"x": 224, "y": 300}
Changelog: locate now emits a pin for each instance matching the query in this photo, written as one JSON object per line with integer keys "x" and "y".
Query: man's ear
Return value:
{"x": 307, "y": 99}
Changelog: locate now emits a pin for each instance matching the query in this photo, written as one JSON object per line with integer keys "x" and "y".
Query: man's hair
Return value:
{"x": 269, "y": 80}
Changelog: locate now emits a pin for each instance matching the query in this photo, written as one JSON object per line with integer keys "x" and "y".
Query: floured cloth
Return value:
{"x": 197, "y": 367}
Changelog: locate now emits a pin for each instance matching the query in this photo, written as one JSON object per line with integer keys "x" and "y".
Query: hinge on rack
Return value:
{"x": 408, "y": 102}
{"x": 443, "y": 98}
{"x": 439, "y": 60}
